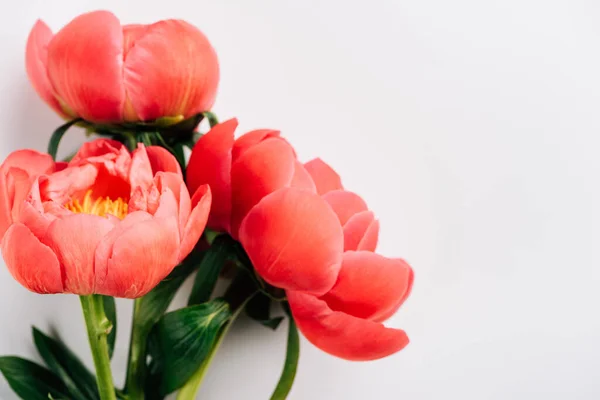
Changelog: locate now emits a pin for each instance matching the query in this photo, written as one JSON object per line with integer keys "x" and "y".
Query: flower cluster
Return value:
{"x": 126, "y": 216}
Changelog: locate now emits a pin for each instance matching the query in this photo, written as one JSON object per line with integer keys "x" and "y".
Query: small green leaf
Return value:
{"x": 57, "y": 136}
{"x": 208, "y": 272}
{"x": 111, "y": 313}
{"x": 31, "y": 381}
{"x": 182, "y": 339}
{"x": 80, "y": 382}
{"x": 291, "y": 363}
{"x": 259, "y": 309}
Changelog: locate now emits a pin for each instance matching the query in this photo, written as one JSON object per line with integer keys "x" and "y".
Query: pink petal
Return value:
{"x": 345, "y": 204}
{"x": 261, "y": 170}
{"x": 74, "y": 240}
{"x": 325, "y": 177}
{"x": 162, "y": 160}
{"x": 361, "y": 232}
{"x": 32, "y": 264}
{"x": 197, "y": 221}
{"x": 250, "y": 139}
{"x": 302, "y": 178}
{"x": 384, "y": 316}
{"x": 141, "y": 257}
{"x": 140, "y": 172}
{"x": 343, "y": 335}
{"x": 210, "y": 163}
{"x": 36, "y": 64}
{"x": 32, "y": 162}
{"x": 172, "y": 70}
{"x": 369, "y": 285}
{"x": 294, "y": 241}
{"x": 109, "y": 152}
{"x": 105, "y": 247}
{"x": 85, "y": 63}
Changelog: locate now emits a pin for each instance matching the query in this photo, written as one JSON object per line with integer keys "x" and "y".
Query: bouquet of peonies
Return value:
{"x": 129, "y": 216}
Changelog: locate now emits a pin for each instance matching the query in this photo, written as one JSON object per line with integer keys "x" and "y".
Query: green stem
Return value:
{"x": 136, "y": 369}
{"x": 98, "y": 327}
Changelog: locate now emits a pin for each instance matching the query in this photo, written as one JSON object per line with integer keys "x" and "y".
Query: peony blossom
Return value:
{"x": 100, "y": 71}
{"x": 304, "y": 233}
{"x": 109, "y": 222}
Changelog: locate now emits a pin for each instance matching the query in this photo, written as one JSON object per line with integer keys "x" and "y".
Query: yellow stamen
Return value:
{"x": 100, "y": 206}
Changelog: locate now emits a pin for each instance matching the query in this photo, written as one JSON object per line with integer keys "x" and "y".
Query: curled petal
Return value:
{"x": 343, "y": 335}
{"x": 250, "y": 139}
{"x": 140, "y": 172}
{"x": 361, "y": 232}
{"x": 33, "y": 264}
{"x": 369, "y": 286}
{"x": 171, "y": 70}
{"x": 197, "y": 221}
{"x": 74, "y": 240}
{"x": 36, "y": 64}
{"x": 32, "y": 162}
{"x": 345, "y": 204}
{"x": 294, "y": 241}
{"x": 302, "y": 178}
{"x": 261, "y": 170}
{"x": 141, "y": 257}
{"x": 325, "y": 177}
{"x": 110, "y": 153}
{"x": 85, "y": 63}
{"x": 210, "y": 163}
{"x": 383, "y": 316}
{"x": 162, "y": 161}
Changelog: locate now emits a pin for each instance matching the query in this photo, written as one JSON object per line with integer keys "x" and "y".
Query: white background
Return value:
{"x": 471, "y": 128}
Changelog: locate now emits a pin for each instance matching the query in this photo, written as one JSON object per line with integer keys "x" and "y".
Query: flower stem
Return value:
{"x": 98, "y": 327}
{"x": 136, "y": 369}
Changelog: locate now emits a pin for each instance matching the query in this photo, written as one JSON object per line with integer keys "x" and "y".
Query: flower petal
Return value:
{"x": 210, "y": 163}
{"x": 85, "y": 62}
{"x": 260, "y": 170}
{"x": 369, "y": 285}
{"x": 74, "y": 240}
{"x": 361, "y": 232}
{"x": 141, "y": 257}
{"x": 294, "y": 241}
{"x": 197, "y": 221}
{"x": 343, "y": 335}
{"x": 302, "y": 178}
{"x": 171, "y": 70}
{"x": 33, "y": 264}
{"x": 325, "y": 177}
{"x": 32, "y": 162}
{"x": 162, "y": 161}
{"x": 384, "y": 316}
{"x": 345, "y": 204}
{"x": 140, "y": 172}
{"x": 36, "y": 64}
{"x": 250, "y": 139}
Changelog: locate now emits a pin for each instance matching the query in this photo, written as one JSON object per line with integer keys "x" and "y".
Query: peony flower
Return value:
{"x": 304, "y": 233}
{"x": 100, "y": 71}
{"x": 108, "y": 222}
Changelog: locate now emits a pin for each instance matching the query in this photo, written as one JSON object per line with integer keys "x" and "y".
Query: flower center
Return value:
{"x": 102, "y": 206}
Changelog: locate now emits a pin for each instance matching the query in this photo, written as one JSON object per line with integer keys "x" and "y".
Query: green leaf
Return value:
{"x": 259, "y": 309}
{"x": 31, "y": 381}
{"x": 57, "y": 136}
{"x": 210, "y": 267}
{"x": 111, "y": 313}
{"x": 80, "y": 382}
{"x": 182, "y": 339}
{"x": 291, "y": 363}
{"x": 154, "y": 304}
